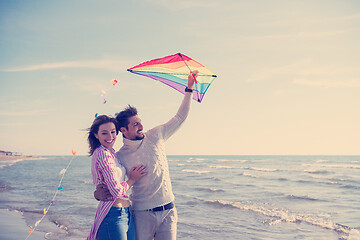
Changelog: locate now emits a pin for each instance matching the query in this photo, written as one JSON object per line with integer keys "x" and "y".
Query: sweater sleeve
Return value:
{"x": 174, "y": 123}
{"x": 107, "y": 167}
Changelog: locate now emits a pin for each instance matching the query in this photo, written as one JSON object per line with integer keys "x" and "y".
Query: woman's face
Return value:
{"x": 107, "y": 135}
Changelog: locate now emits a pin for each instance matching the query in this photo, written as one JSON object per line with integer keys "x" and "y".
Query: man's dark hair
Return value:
{"x": 123, "y": 117}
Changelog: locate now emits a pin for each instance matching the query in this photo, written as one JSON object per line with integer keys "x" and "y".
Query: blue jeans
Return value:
{"x": 118, "y": 224}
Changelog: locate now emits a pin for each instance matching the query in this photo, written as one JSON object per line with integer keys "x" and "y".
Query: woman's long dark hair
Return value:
{"x": 94, "y": 143}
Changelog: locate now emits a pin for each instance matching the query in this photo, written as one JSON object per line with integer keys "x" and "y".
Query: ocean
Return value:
{"x": 217, "y": 197}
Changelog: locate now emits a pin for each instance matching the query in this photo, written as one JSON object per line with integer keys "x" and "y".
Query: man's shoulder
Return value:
{"x": 123, "y": 151}
{"x": 119, "y": 153}
{"x": 155, "y": 132}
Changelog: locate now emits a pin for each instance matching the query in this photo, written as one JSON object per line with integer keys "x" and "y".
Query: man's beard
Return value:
{"x": 139, "y": 137}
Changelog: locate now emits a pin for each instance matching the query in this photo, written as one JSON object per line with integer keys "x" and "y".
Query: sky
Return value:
{"x": 288, "y": 73}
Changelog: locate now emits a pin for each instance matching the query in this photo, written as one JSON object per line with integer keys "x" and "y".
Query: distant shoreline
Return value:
{"x": 21, "y": 157}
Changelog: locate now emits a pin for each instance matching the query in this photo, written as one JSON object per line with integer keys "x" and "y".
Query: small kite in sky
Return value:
{"x": 173, "y": 71}
{"x": 104, "y": 95}
{"x": 114, "y": 81}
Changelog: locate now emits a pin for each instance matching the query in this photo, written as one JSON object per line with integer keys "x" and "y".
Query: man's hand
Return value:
{"x": 102, "y": 193}
{"x": 191, "y": 78}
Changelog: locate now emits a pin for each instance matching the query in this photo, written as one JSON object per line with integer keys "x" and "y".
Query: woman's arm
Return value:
{"x": 107, "y": 167}
{"x": 102, "y": 192}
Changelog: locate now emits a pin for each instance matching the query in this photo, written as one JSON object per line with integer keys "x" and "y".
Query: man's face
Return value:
{"x": 135, "y": 129}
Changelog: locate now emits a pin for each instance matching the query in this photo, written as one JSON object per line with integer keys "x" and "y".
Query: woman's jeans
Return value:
{"x": 118, "y": 224}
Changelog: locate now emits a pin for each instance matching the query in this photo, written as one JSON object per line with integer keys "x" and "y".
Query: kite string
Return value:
{"x": 63, "y": 171}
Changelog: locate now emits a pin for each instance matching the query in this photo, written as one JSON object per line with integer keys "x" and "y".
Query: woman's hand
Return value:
{"x": 136, "y": 173}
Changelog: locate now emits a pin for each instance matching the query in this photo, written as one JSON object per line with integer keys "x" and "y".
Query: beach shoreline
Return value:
{"x": 13, "y": 226}
{"x": 18, "y": 157}
{"x": 13, "y": 222}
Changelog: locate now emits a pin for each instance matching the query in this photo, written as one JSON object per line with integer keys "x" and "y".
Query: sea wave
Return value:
{"x": 11, "y": 162}
{"x": 335, "y": 180}
{"x": 249, "y": 175}
{"x": 306, "y": 198}
{"x": 316, "y": 171}
{"x": 197, "y": 159}
{"x": 4, "y": 187}
{"x": 195, "y": 171}
{"x": 350, "y": 187}
{"x": 321, "y": 161}
{"x": 211, "y": 190}
{"x": 264, "y": 169}
{"x": 232, "y": 160}
{"x": 173, "y": 160}
{"x": 226, "y": 167}
{"x": 278, "y": 215}
{"x": 351, "y": 166}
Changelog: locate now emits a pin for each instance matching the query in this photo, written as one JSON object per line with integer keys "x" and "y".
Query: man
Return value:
{"x": 155, "y": 214}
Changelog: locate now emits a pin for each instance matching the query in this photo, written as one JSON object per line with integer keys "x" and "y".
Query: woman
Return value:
{"x": 113, "y": 219}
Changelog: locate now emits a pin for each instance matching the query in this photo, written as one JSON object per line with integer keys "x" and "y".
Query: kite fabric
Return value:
{"x": 173, "y": 71}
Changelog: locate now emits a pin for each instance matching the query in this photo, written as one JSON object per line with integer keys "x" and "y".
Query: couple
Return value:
{"x": 143, "y": 159}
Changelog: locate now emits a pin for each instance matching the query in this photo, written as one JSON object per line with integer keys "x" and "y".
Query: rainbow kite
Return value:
{"x": 174, "y": 70}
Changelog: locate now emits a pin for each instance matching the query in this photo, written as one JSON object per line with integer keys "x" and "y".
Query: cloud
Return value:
{"x": 20, "y": 113}
{"x": 97, "y": 85}
{"x": 107, "y": 64}
{"x": 287, "y": 19}
{"x": 327, "y": 83}
{"x": 302, "y": 35}
{"x": 275, "y": 71}
{"x": 175, "y": 5}
{"x": 17, "y": 108}
{"x": 306, "y": 72}
{"x": 12, "y": 124}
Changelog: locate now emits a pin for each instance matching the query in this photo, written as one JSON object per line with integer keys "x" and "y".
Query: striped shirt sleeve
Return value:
{"x": 107, "y": 167}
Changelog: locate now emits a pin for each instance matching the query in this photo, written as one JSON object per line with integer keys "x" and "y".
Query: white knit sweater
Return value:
{"x": 154, "y": 189}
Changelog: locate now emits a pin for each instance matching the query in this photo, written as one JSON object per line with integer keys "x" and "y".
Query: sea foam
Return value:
{"x": 278, "y": 215}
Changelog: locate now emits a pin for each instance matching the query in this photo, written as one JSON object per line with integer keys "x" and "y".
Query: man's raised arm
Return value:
{"x": 171, "y": 126}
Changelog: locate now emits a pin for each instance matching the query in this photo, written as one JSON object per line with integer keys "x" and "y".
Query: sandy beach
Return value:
{"x": 12, "y": 223}
{"x": 13, "y": 227}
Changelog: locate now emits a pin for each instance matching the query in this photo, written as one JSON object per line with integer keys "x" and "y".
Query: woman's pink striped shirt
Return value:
{"x": 103, "y": 170}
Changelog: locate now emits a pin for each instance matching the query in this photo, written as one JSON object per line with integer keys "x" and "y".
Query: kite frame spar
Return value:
{"x": 170, "y": 71}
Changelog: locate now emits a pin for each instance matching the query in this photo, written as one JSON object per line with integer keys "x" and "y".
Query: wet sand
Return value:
{"x": 13, "y": 227}
{"x": 12, "y": 223}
